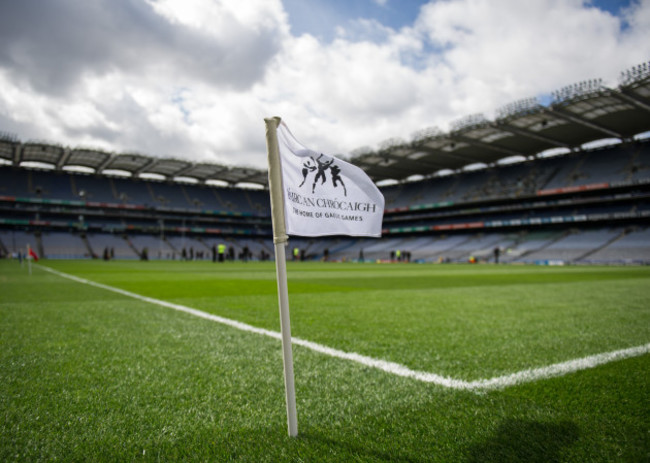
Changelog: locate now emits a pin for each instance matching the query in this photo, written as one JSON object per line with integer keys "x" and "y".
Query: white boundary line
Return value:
{"x": 499, "y": 382}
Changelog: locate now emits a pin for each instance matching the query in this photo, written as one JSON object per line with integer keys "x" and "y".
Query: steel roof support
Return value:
{"x": 450, "y": 155}
{"x": 18, "y": 154}
{"x": 146, "y": 166}
{"x": 183, "y": 170}
{"x": 63, "y": 158}
{"x": 100, "y": 168}
{"x": 631, "y": 99}
{"x": 486, "y": 146}
{"x": 530, "y": 134}
{"x": 584, "y": 122}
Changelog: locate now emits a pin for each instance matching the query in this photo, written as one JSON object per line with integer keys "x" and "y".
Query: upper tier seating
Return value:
{"x": 94, "y": 188}
{"x": 608, "y": 165}
{"x": 14, "y": 182}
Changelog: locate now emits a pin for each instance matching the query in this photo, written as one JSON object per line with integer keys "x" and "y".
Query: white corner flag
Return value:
{"x": 326, "y": 196}
{"x": 312, "y": 194}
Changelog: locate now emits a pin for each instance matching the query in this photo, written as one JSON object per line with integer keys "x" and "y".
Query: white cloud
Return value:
{"x": 511, "y": 49}
{"x": 194, "y": 79}
{"x": 221, "y": 18}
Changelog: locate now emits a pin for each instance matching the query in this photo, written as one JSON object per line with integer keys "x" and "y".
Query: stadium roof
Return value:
{"x": 136, "y": 164}
{"x": 578, "y": 114}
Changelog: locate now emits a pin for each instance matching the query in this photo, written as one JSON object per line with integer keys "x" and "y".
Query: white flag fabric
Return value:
{"x": 324, "y": 195}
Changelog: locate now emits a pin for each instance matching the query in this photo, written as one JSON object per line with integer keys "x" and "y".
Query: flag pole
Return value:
{"x": 280, "y": 241}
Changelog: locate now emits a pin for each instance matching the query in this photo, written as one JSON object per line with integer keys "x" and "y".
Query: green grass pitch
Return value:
{"x": 90, "y": 375}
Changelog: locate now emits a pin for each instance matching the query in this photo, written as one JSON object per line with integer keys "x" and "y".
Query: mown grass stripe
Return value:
{"x": 500, "y": 382}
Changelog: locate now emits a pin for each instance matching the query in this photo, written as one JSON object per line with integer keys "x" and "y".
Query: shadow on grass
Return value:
{"x": 525, "y": 441}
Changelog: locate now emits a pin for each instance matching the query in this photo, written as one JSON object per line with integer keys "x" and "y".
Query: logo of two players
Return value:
{"x": 320, "y": 165}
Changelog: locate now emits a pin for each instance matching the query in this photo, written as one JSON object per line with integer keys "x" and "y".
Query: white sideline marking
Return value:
{"x": 499, "y": 382}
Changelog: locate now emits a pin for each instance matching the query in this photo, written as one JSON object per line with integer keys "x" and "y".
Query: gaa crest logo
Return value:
{"x": 318, "y": 169}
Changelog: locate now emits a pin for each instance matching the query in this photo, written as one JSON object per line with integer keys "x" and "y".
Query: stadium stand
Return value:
{"x": 454, "y": 202}
{"x": 60, "y": 245}
{"x": 168, "y": 195}
{"x": 150, "y": 247}
{"x": 202, "y": 197}
{"x": 133, "y": 191}
{"x": 50, "y": 185}
{"x": 186, "y": 246}
{"x": 14, "y": 182}
{"x": 93, "y": 188}
{"x": 573, "y": 246}
{"x": 16, "y": 241}
{"x": 629, "y": 247}
{"x": 528, "y": 243}
{"x": 117, "y": 246}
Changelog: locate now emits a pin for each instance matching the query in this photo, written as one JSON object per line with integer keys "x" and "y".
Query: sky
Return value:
{"x": 194, "y": 79}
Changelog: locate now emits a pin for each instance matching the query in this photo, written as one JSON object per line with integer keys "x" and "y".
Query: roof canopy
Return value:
{"x": 578, "y": 114}
{"x": 135, "y": 164}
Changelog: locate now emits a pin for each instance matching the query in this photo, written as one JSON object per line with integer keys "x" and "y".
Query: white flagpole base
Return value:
{"x": 285, "y": 325}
